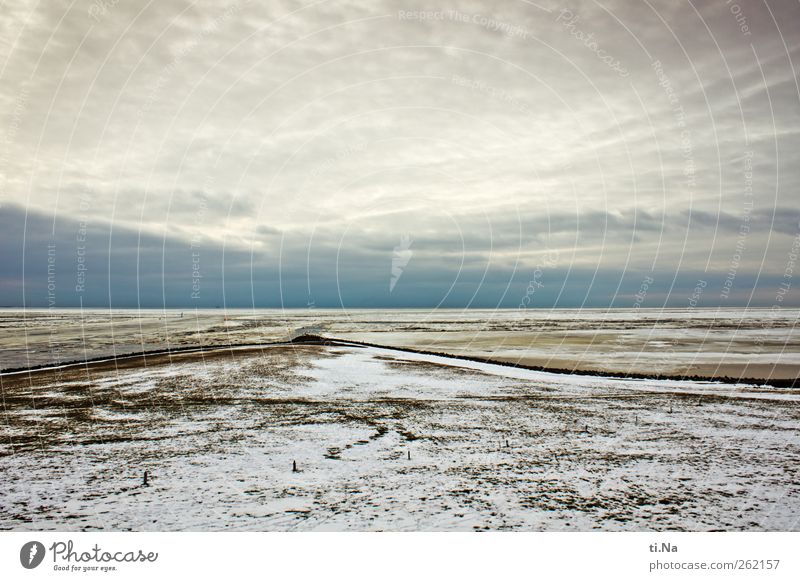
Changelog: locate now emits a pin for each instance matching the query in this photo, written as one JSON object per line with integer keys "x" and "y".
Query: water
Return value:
{"x": 752, "y": 343}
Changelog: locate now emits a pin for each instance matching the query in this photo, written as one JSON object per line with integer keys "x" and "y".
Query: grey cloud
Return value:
{"x": 269, "y": 129}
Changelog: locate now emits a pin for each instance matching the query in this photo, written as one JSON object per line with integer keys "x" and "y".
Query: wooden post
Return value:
{"x": 409, "y": 454}
{"x": 145, "y": 479}
{"x": 294, "y": 465}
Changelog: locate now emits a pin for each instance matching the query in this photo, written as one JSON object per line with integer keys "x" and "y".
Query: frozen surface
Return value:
{"x": 490, "y": 447}
{"x": 754, "y": 343}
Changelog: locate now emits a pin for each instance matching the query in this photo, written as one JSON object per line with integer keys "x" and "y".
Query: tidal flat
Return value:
{"x": 344, "y": 437}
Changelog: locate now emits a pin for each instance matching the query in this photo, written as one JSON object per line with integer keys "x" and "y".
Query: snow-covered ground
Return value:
{"x": 385, "y": 440}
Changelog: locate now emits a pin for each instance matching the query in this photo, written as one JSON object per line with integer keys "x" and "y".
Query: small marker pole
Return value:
{"x": 294, "y": 465}
{"x": 145, "y": 479}
{"x": 409, "y": 454}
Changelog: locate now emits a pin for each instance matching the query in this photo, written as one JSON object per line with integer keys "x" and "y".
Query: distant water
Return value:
{"x": 735, "y": 342}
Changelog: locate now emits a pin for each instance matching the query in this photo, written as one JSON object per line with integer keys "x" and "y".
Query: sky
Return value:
{"x": 518, "y": 154}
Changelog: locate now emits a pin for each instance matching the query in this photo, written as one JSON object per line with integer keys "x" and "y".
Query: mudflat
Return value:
{"x": 315, "y": 437}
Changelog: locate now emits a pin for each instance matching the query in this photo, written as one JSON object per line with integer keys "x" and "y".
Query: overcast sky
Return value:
{"x": 399, "y": 153}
